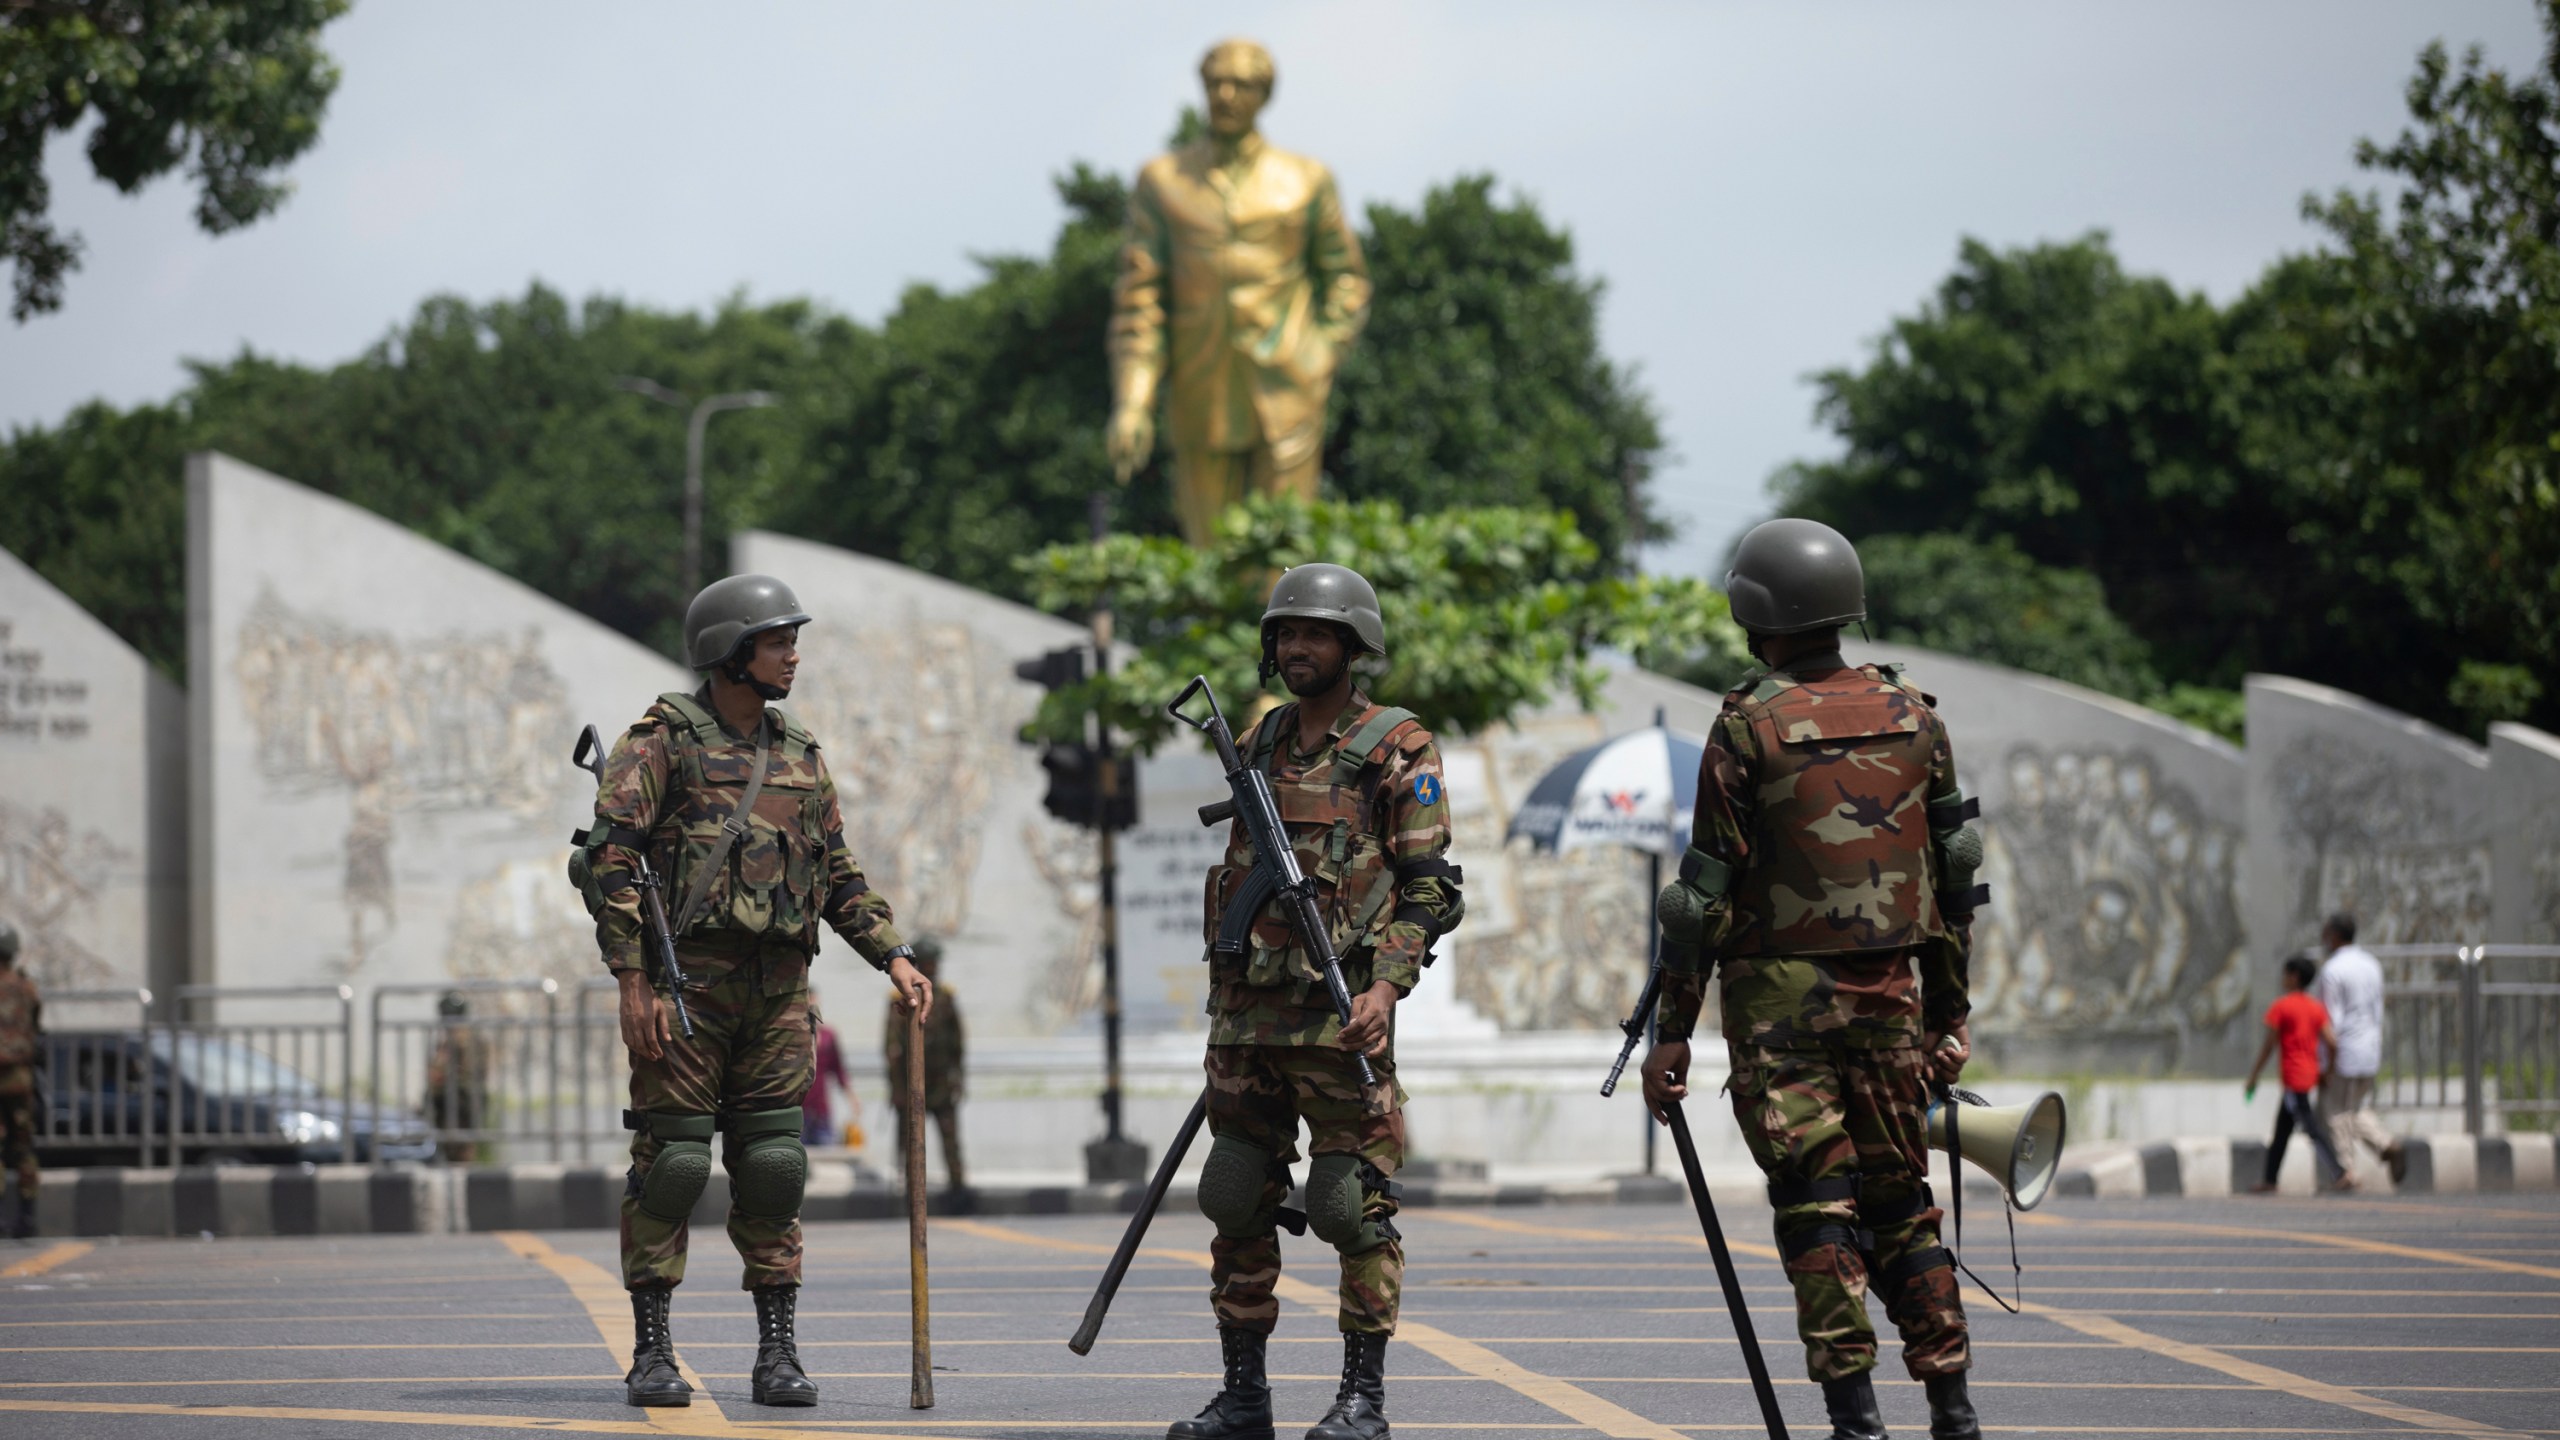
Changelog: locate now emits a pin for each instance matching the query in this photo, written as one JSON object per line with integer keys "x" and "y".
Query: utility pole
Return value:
{"x": 695, "y": 426}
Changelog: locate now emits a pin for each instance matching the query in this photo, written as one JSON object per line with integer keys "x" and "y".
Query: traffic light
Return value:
{"x": 1075, "y": 767}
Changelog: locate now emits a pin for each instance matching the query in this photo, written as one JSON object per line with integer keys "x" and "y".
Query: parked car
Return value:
{"x": 230, "y": 1104}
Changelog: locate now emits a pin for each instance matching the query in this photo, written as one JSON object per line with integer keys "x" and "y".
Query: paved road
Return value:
{"x": 2238, "y": 1317}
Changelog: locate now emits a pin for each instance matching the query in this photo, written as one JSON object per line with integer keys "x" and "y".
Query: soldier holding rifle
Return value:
{"x": 730, "y": 801}
{"x": 1358, "y": 791}
{"x": 1830, "y": 884}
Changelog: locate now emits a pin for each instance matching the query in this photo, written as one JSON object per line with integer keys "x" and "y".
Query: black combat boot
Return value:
{"x": 25, "y": 1226}
{"x": 1242, "y": 1411}
{"x": 1360, "y": 1408}
{"x": 778, "y": 1378}
{"x": 1852, "y": 1403}
{"x": 653, "y": 1379}
{"x": 1950, "y": 1409}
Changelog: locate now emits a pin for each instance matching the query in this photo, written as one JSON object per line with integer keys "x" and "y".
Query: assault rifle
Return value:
{"x": 1275, "y": 872}
{"x": 589, "y": 756}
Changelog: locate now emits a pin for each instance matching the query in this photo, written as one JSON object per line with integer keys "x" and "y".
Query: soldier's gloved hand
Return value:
{"x": 644, "y": 1020}
{"x": 1370, "y": 1011}
{"x": 1666, "y": 1077}
{"x": 915, "y": 992}
{"x": 1948, "y": 1052}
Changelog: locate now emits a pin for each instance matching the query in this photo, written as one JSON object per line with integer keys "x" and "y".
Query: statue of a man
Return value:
{"x": 1241, "y": 286}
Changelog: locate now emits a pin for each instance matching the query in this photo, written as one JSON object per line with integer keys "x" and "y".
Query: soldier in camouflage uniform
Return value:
{"x": 1359, "y": 789}
{"x": 1829, "y": 883}
{"x": 21, "y": 1052}
{"x": 732, "y": 803}
{"x": 945, "y": 1053}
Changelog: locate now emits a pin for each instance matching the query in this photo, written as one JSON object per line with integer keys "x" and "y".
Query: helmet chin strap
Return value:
{"x": 736, "y": 671}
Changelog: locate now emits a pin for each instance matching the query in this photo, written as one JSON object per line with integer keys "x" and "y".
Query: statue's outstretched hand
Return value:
{"x": 1130, "y": 439}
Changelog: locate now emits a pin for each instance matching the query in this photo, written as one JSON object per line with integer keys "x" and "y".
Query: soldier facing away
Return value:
{"x": 732, "y": 802}
{"x": 945, "y": 1061}
{"x": 21, "y": 1051}
{"x": 1359, "y": 788}
{"x": 1829, "y": 883}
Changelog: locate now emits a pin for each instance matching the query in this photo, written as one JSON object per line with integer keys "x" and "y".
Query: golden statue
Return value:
{"x": 1246, "y": 246}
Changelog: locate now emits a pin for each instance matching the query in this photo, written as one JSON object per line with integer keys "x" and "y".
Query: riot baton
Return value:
{"x": 1118, "y": 1269}
{"x": 1732, "y": 1283}
{"x": 919, "y": 1292}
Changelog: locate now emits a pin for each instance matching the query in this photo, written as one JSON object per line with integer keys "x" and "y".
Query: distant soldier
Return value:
{"x": 21, "y": 1052}
{"x": 1359, "y": 789}
{"x": 945, "y": 1066}
{"x": 733, "y": 803}
{"x": 1830, "y": 881}
{"x": 458, "y": 1078}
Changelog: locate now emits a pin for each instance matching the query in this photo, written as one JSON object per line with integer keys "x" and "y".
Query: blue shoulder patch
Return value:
{"x": 1426, "y": 789}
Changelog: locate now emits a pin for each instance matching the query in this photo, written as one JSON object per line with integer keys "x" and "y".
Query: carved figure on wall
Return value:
{"x": 1240, "y": 287}
{"x": 2383, "y": 844}
{"x": 2114, "y": 901}
{"x": 51, "y": 875}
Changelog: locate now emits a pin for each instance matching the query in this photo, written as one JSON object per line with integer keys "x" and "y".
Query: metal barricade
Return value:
{"x": 599, "y": 1063}
{"x": 260, "y": 1089}
{"x": 487, "y": 1080}
{"x": 2473, "y": 1026}
{"x": 95, "y": 1094}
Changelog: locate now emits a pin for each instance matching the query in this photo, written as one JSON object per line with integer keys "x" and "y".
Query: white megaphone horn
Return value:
{"x": 2020, "y": 1145}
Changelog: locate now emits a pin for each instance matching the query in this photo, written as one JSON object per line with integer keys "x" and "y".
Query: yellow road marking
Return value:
{"x": 1562, "y": 1396}
{"x": 449, "y": 1419}
{"x": 53, "y": 1257}
{"x": 608, "y": 1308}
{"x": 2335, "y": 1242}
{"x": 2267, "y": 1376}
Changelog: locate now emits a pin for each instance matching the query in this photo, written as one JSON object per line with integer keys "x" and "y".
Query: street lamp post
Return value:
{"x": 700, "y": 421}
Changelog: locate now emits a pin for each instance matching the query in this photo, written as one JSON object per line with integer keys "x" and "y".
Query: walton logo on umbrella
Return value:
{"x": 1636, "y": 789}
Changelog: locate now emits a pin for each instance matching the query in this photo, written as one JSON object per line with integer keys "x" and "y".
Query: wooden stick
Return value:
{"x": 919, "y": 1295}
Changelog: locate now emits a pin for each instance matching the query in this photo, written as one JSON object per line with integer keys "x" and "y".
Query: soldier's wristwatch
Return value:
{"x": 902, "y": 952}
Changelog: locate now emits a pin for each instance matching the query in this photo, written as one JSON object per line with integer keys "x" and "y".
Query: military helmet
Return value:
{"x": 1790, "y": 576}
{"x": 452, "y": 1006}
{"x": 8, "y": 942}
{"x": 928, "y": 951}
{"x": 1328, "y": 592}
{"x": 729, "y": 613}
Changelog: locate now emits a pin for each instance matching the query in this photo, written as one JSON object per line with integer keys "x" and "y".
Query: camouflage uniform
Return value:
{"x": 674, "y": 779}
{"x": 944, "y": 1049}
{"x": 1835, "y": 959}
{"x": 21, "y": 1042}
{"x": 1370, "y": 815}
{"x": 458, "y": 1086}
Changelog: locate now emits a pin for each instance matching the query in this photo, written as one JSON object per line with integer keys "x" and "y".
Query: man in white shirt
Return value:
{"x": 2350, "y": 989}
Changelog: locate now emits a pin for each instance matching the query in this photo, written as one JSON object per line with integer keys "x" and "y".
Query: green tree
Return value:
{"x": 1986, "y": 599}
{"x": 232, "y": 89}
{"x": 1490, "y": 610}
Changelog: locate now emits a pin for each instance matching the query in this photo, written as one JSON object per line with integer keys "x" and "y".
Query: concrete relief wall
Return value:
{"x": 92, "y": 796}
{"x": 2114, "y": 836}
{"x": 379, "y": 739}
{"x": 907, "y": 681}
{"x": 2354, "y": 807}
{"x": 2524, "y": 767}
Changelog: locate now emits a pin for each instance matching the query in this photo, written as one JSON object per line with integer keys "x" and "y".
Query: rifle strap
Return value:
{"x": 730, "y": 830}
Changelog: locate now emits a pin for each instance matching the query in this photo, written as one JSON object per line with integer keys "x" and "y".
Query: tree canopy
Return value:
{"x": 959, "y": 435}
{"x": 232, "y": 89}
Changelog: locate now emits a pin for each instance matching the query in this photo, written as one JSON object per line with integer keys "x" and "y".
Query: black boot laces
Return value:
{"x": 779, "y": 1342}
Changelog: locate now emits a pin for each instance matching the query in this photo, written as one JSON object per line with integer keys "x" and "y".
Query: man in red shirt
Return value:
{"x": 2298, "y": 1025}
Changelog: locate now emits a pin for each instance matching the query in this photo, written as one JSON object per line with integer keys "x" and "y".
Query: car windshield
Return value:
{"x": 222, "y": 1067}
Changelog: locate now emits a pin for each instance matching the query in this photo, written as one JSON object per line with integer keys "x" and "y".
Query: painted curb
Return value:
{"x": 2209, "y": 1166}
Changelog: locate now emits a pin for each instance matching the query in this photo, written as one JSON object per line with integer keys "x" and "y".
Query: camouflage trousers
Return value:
{"x": 18, "y": 1126}
{"x": 1260, "y": 1092}
{"x": 753, "y": 1048}
{"x": 1842, "y": 1135}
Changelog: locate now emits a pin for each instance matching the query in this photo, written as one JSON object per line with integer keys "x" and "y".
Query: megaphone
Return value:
{"x": 2020, "y": 1145}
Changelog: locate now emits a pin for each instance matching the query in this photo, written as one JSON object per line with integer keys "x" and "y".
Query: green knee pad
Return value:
{"x": 772, "y": 1168}
{"x": 1231, "y": 1185}
{"x": 1337, "y": 1199}
{"x": 683, "y": 1166}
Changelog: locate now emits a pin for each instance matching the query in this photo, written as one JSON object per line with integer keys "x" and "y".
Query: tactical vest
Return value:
{"x": 772, "y": 882}
{"x": 1841, "y": 860}
{"x": 1330, "y": 811}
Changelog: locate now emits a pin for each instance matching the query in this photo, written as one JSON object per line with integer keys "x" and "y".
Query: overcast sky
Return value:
{"x": 1763, "y": 187}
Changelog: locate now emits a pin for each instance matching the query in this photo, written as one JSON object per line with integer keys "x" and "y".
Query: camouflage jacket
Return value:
{"x": 1813, "y": 790}
{"x": 1372, "y": 829}
{"x": 669, "y": 781}
{"x": 21, "y": 1018}
{"x": 945, "y": 1049}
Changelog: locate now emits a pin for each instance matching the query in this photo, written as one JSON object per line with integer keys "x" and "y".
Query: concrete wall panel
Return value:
{"x": 92, "y": 796}
{"x": 2524, "y": 767}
